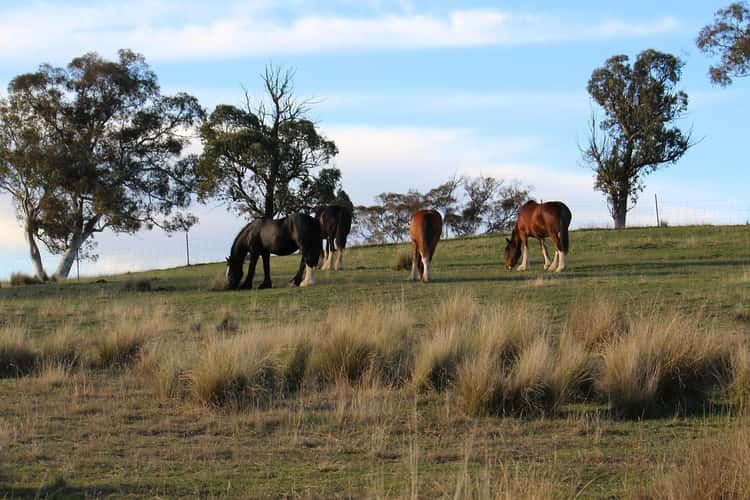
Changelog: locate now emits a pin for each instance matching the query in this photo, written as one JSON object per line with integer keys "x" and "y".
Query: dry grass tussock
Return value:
{"x": 128, "y": 330}
{"x": 137, "y": 285}
{"x": 739, "y": 390}
{"x": 509, "y": 365}
{"x": 351, "y": 343}
{"x": 666, "y": 358}
{"x": 402, "y": 260}
{"x": 370, "y": 344}
{"x": 123, "y": 332}
{"x": 594, "y": 321}
{"x": 21, "y": 279}
{"x": 719, "y": 468}
{"x": 16, "y": 356}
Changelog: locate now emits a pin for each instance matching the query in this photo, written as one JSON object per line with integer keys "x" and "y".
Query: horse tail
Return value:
{"x": 432, "y": 228}
{"x": 565, "y": 218}
{"x": 343, "y": 226}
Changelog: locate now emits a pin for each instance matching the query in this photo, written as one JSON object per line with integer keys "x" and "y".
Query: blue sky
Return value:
{"x": 412, "y": 92}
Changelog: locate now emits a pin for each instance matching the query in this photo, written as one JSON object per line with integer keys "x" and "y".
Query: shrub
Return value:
{"x": 21, "y": 279}
{"x": 137, "y": 285}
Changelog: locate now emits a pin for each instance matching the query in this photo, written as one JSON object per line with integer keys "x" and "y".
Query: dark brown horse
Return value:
{"x": 264, "y": 237}
{"x": 335, "y": 224}
{"x": 540, "y": 220}
{"x": 425, "y": 230}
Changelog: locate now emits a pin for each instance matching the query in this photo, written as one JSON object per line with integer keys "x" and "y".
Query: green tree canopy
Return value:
{"x": 112, "y": 144}
{"x": 729, "y": 38}
{"x": 259, "y": 159}
{"x": 640, "y": 104}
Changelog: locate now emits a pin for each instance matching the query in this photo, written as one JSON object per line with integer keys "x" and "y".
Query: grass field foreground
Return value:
{"x": 623, "y": 376}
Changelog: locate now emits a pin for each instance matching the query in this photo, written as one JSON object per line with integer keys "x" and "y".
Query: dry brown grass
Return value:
{"x": 402, "y": 260}
{"x": 128, "y": 330}
{"x": 21, "y": 279}
{"x": 717, "y": 469}
{"x": 594, "y": 321}
{"x": 236, "y": 372}
{"x": 53, "y": 373}
{"x": 16, "y": 356}
{"x": 739, "y": 390}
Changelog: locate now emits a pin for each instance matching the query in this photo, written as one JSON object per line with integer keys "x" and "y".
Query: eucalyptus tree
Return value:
{"x": 260, "y": 158}
{"x": 111, "y": 145}
{"x": 641, "y": 104}
{"x": 729, "y": 38}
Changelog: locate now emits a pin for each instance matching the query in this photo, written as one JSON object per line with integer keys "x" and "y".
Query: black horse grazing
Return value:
{"x": 335, "y": 223}
{"x": 264, "y": 237}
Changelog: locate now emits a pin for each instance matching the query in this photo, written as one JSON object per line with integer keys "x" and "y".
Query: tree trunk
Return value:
{"x": 619, "y": 210}
{"x": 69, "y": 257}
{"x": 269, "y": 208}
{"x": 36, "y": 257}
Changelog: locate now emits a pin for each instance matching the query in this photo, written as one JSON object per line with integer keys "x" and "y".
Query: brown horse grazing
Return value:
{"x": 264, "y": 237}
{"x": 540, "y": 220}
{"x": 425, "y": 230}
{"x": 335, "y": 224}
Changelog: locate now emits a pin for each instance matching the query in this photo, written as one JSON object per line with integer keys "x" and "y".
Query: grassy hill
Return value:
{"x": 88, "y": 410}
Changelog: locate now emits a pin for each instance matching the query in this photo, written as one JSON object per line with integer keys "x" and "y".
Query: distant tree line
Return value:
{"x": 468, "y": 205}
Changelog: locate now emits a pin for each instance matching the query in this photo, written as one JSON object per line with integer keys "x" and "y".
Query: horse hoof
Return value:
{"x": 264, "y": 285}
{"x": 292, "y": 284}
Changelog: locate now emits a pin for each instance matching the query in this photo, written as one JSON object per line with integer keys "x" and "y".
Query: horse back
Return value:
{"x": 539, "y": 220}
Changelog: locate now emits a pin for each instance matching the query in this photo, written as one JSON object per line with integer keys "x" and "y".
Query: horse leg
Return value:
{"x": 328, "y": 254}
{"x": 415, "y": 259}
{"x": 340, "y": 246}
{"x": 309, "y": 278}
{"x": 524, "y": 254}
{"x": 324, "y": 255}
{"x": 339, "y": 259}
{"x": 547, "y": 262}
{"x": 266, "y": 270}
{"x": 427, "y": 266}
{"x": 248, "y": 283}
{"x": 559, "y": 254}
{"x": 298, "y": 277}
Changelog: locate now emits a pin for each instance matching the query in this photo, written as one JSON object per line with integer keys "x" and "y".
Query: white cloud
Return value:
{"x": 175, "y": 31}
{"x": 375, "y": 159}
{"x": 11, "y": 234}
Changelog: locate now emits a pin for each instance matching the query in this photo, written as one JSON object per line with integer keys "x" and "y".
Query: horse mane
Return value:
{"x": 238, "y": 238}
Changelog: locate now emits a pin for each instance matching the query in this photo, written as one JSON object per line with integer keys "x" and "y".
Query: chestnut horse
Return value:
{"x": 425, "y": 229}
{"x": 540, "y": 220}
{"x": 335, "y": 223}
{"x": 264, "y": 237}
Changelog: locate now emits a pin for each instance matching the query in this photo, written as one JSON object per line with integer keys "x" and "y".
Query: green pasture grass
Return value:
{"x": 98, "y": 432}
